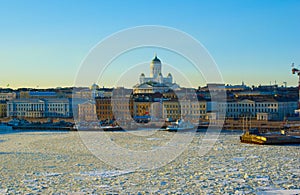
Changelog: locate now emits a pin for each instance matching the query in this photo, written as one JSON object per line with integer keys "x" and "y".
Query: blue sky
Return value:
{"x": 42, "y": 43}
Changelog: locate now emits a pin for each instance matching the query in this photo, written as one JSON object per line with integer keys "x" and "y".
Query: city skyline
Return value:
{"x": 44, "y": 43}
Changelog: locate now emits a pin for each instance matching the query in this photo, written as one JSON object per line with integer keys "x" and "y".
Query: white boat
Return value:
{"x": 111, "y": 128}
{"x": 97, "y": 127}
{"x": 180, "y": 125}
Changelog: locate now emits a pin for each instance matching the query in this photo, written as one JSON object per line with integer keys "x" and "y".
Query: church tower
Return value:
{"x": 155, "y": 67}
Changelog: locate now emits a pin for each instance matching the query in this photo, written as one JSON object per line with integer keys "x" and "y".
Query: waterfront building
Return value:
{"x": 259, "y": 107}
{"x": 87, "y": 112}
{"x": 26, "y": 108}
{"x": 39, "y": 108}
{"x": 142, "y": 106}
{"x": 192, "y": 106}
{"x": 281, "y": 108}
{"x": 60, "y": 107}
{"x": 194, "y": 110}
{"x": 171, "y": 109}
{"x": 3, "y": 109}
{"x": 116, "y": 107}
{"x": 122, "y": 107}
{"x": 104, "y": 108}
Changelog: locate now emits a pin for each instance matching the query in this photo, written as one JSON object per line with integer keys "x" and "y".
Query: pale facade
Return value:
{"x": 193, "y": 110}
{"x": 26, "y": 108}
{"x": 275, "y": 109}
{"x": 39, "y": 108}
{"x": 58, "y": 108}
{"x": 87, "y": 112}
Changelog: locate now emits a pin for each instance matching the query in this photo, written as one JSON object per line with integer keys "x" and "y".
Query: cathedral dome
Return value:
{"x": 156, "y": 59}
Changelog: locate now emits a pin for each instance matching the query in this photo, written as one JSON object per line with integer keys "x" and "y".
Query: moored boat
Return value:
{"x": 180, "y": 125}
{"x": 111, "y": 128}
{"x": 254, "y": 137}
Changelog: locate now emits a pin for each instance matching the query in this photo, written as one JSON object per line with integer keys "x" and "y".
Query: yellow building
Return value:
{"x": 171, "y": 109}
{"x": 142, "y": 108}
{"x": 120, "y": 108}
{"x": 3, "y": 109}
{"x": 103, "y": 108}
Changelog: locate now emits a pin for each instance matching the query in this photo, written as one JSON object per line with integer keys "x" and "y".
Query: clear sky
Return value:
{"x": 42, "y": 43}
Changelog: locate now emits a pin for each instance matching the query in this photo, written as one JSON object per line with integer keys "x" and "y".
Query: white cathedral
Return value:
{"x": 156, "y": 82}
{"x": 155, "y": 73}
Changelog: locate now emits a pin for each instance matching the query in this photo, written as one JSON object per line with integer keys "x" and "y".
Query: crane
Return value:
{"x": 297, "y": 71}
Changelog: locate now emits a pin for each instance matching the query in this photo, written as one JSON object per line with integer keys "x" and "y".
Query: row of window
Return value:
{"x": 194, "y": 112}
{"x": 193, "y": 106}
{"x": 28, "y": 105}
{"x": 114, "y": 107}
{"x": 248, "y": 105}
{"x": 37, "y": 114}
{"x": 251, "y": 110}
{"x": 38, "y": 109}
{"x": 105, "y": 113}
{"x": 171, "y": 106}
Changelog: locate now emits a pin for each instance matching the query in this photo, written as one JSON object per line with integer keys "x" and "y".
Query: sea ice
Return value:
{"x": 238, "y": 159}
{"x": 106, "y": 173}
{"x": 280, "y": 192}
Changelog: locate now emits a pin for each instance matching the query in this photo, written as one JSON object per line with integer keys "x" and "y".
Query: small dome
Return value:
{"x": 169, "y": 75}
{"x": 95, "y": 86}
{"x": 142, "y": 75}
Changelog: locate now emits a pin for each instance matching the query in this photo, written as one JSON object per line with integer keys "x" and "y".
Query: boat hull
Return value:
{"x": 178, "y": 129}
{"x": 269, "y": 139}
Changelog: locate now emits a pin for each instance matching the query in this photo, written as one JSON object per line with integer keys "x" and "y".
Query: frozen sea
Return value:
{"x": 64, "y": 163}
